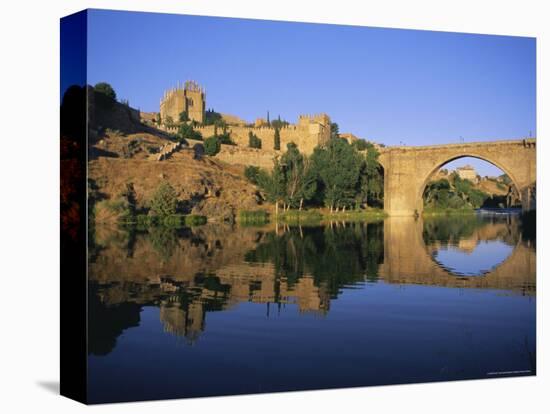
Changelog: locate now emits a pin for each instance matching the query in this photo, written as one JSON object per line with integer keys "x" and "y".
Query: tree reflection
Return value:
{"x": 451, "y": 229}
{"x": 334, "y": 256}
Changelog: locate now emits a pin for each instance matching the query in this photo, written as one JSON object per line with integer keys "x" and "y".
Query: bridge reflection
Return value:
{"x": 409, "y": 259}
{"x": 188, "y": 273}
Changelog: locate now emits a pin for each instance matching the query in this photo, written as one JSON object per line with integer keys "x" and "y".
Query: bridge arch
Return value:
{"x": 440, "y": 164}
{"x": 408, "y": 169}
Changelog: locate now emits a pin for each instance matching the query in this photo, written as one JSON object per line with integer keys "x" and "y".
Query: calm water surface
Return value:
{"x": 217, "y": 309}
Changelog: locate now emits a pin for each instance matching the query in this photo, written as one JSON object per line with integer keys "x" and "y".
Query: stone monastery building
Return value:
{"x": 190, "y": 99}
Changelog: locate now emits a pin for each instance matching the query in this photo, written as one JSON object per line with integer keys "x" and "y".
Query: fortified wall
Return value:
{"x": 310, "y": 131}
{"x": 238, "y": 155}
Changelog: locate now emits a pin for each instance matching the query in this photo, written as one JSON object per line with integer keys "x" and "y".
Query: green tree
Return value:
{"x": 453, "y": 193}
{"x": 372, "y": 176}
{"x": 277, "y": 140}
{"x": 169, "y": 121}
{"x": 338, "y": 166}
{"x": 164, "y": 239}
{"x": 453, "y": 201}
{"x": 225, "y": 138}
{"x": 212, "y": 117}
{"x": 300, "y": 179}
{"x": 360, "y": 145}
{"x": 254, "y": 141}
{"x": 273, "y": 184}
{"x": 462, "y": 187}
{"x": 186, "y": 131}
{"x": 278, "y": 123}
{"x": 165, "y": 200}
{"x": 251, "y": 173}
{"x": 212, "y": 145}
{"x": 334, "y": 130}
{"x": 105, "y": 89}
{"x": 436, "y": 193}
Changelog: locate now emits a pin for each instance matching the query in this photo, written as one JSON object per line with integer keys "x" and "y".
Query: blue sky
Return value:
{"x": 390, "y": 86}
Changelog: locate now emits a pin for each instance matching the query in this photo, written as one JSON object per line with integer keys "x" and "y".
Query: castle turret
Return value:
{"x": 190, "y": 99}
{"x": 318, "y": 129}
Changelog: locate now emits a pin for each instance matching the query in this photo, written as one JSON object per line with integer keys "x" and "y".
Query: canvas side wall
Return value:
{"x": 73, "y": 229}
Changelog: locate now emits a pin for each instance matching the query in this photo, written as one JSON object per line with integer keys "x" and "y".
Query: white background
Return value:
{"x": 29, "y": 171}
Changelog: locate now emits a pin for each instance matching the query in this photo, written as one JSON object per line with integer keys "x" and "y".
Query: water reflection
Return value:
{"x": 473, "y": 259}
{"x": 189, "y": 272}
{"x": 366, "y": 283}
{"x": 472, "y": 245}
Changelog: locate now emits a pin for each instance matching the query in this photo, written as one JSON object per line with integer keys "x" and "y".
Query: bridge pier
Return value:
{"x": 528, "y": 199}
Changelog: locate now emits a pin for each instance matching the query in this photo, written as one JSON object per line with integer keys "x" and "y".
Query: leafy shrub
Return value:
{"x": 251, "y": 173}
{"x": 360, "y": 145}
{"x": 194, "y": 220}
{"x": 254, "y": 141}
{"x": 165, "y": 201}
{"x": 212, "y": 145}
{"x": 152, "y": 149}
{"x": 186, "y": 131}
{"x": 212, "y": 117}
{"x": 144, "y": 220}
{"x": 174, "y": 220}
{"x": 105, "y": 89}
{"x": 253, "y": 217}
{"x": 225, "y": 138}
{"x": 302, "y": 216}
{"x": 456, "y": 202}
{"x": 131, "y": 148}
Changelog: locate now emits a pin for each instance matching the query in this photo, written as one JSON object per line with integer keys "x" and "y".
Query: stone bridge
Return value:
{"x": 407, "y": 170}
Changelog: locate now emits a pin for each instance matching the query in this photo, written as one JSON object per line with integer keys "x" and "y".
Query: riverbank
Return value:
{"x": 428, "y": 212}
{"x": 307, "y": 216}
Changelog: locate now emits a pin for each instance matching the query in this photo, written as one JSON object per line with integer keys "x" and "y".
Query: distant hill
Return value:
{"x": 496, "y": 186}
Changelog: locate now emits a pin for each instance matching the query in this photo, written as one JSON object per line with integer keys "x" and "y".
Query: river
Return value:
{"x": 228, "y": 309}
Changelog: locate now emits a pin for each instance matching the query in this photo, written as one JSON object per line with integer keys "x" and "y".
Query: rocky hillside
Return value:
{"x": 123, "y": 151}
{"x": 206, "y": 187}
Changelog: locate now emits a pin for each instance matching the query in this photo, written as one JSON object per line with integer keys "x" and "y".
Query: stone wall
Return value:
{"x": 236, "y": 155}
{"x": 233, "y": 154}
{"x": 309, "y": 132}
